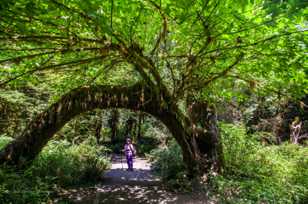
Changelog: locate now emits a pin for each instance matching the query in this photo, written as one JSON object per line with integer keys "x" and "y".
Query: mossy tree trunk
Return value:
{"x": 199, "y": 150}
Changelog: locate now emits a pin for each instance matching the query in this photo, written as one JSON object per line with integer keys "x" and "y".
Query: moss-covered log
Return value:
{"x": 138, "y": 97}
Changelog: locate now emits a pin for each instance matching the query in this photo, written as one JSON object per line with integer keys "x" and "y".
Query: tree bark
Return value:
{"x": 205, "y": 129}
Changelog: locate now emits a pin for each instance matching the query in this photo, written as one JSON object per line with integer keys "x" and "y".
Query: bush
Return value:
{"x": 70, "y": 164}
{"x": 169, "y": 165}
{"x": 146, "y": 145}
{"x": 60, "y": 163}
{"x": 17, "y": 187}
{"x": 260, "y": 174}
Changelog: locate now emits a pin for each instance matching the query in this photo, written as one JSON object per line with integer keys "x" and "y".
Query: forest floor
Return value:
{"x": 121, "y": 186}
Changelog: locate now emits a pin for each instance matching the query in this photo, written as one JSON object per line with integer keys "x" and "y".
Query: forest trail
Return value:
{"x": 121, "y": 186}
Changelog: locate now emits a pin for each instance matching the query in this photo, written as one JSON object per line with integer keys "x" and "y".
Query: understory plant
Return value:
{"x": 59, "y": 164}
{"x": 168, "y": 164}
{"x": 71, "y": 164}
{"x": 255, "y": 173}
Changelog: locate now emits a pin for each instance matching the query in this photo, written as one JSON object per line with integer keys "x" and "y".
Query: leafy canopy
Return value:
{"x": 202, "y": 49}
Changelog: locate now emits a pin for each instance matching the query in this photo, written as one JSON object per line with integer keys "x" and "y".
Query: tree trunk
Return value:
{"x": 136, "y": 98}
{"x": 113, "y": 124}
{"x": 139, "y": 124}
{"x": 98, "y": 128}
{"x": 130, "y": 127}
{"x": 205, "y": 129}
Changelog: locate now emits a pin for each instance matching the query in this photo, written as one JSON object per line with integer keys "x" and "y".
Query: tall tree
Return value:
{"x": 151, "y": 56}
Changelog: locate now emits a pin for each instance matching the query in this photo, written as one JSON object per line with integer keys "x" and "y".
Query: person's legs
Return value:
{"x": 129, "y": 160}
{"x": 131, "y": 164}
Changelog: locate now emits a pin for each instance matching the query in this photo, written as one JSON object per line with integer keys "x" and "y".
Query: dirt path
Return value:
{"x": 121, "y": 186}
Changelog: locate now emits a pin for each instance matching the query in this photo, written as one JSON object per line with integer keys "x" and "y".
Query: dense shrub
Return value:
{"x": 70, "y": 164}
{"x": 59, "y": 164}
{"x": 18, "y": 187}
{"x": 168, "y": 164}
{"x": 253, "y": 173}
{"x": 261, "y": 174}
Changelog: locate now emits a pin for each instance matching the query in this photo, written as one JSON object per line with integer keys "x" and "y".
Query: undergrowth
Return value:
{"x": 59, "y": 164}
{"x": 168, "y": 164}
{"x": 253, "y": 173}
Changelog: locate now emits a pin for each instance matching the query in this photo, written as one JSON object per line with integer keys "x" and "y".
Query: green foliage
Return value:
{"x": 168, "y": 164}
{"x": 18, "y": 187}
{"x": 71, "y": 164}
{"x": 212, "y": 50}
{"x": 66, "y": 44}
{"x": 253, "y": 173}
{"x": 18, "y": 107}
{"x": 59, "y": 164}
{"x": 4, "y": 140}
{"x": 147, "y": 144}
{"x": 256, "y": 173}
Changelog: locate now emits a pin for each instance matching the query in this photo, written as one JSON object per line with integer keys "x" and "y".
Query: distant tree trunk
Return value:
{"x": 98, "y": 128}
{"x": 200, "y": 149}
{"x": 130, "y": 129}
{"x": 113, "y": 124}
{"x": 139, "y": 125}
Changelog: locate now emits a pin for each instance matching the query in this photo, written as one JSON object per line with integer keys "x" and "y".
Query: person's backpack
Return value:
{"x": 132, "y": 148}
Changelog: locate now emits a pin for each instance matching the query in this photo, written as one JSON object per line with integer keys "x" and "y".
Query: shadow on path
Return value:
{"x": 121, "y": 186}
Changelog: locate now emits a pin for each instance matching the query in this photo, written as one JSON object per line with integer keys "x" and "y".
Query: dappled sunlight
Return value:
{"x": 127, "y": 194}
{"x": 213, "y": 93}
{"x": 124, "y": 193}
{"x": 122, "y": 186}
{"x": 119, "y": 174}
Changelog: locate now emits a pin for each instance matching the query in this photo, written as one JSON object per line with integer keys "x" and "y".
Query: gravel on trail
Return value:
{"x": 121, "y": 186}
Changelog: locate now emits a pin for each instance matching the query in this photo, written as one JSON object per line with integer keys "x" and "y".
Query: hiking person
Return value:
{"x": 130, "y": 152}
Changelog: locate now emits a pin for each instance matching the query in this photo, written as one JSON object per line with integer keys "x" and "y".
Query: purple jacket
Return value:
{"x": 129, "y": 150}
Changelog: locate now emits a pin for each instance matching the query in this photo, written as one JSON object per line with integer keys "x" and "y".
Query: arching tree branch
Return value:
{"x": 45, "y": 125}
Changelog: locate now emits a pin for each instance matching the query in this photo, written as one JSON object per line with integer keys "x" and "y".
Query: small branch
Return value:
{"x": 215, "y": 7}
{"x": 83, "y": 15}
{"x": 302, "y": 137}
{"x": 19, "y": 58}
{"x": 23, "y": 74}
{"x": 28, "y": 49}
{"x": 163, "y": 33}
{"x": 221, "y": 74}
{"x": 66, "y": 64}
{"x": 241, "y": 78}
{"x": 46, "y": 37}
{"x": 106, "y": 69}
{"x": 252, "y": 44}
